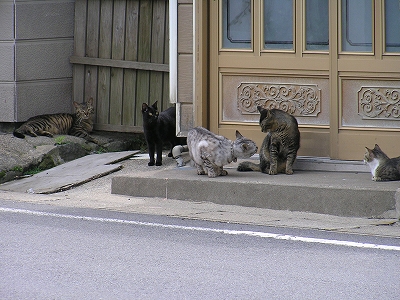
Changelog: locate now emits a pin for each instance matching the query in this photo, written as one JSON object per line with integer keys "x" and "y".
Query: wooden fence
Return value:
{"x": 121, "y": 57}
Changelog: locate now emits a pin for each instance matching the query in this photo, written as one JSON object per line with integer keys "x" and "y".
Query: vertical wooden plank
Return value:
{"x": 117, "y": 74}
{"x": 157, "y": 52}
{"x": 144, "y": 48}
{"x": 129, "y": 116}
{"x": 103, "y": 99}
{"x": 166, "y": 56}
{"x": 92, "y": 48}
{"x": 78, "y": 78}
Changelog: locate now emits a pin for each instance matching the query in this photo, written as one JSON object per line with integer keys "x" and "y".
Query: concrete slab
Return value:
{"x": 347, "y": 194}
{"x": 70, "y": 174}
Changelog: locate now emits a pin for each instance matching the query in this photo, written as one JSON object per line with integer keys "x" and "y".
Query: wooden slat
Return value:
{"x": 117, "y": 74}
{"x": 157, "y": 52}
{"x": 78, "y": 77}
{"x": 129, "y": 116}
{"x": 92, "y": 48}
{"x": 117, "y": 63}
{"x": 103, "y": 100}
{"x": 144, "y": 48}
{"x": 166, "y": 56}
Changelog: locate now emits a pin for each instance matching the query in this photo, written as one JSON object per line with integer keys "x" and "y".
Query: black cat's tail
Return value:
{"x": 248, "y": 166}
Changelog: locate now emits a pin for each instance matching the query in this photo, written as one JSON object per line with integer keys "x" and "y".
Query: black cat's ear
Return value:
{"x": 238, "y": 135}
{"x": 377, "y": 147}
{"x": 155, "y": 105}
{"x": 144, "y": 107}
{"x": 260, "y": 109}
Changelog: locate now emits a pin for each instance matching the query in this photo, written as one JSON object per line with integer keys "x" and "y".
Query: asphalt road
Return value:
{"x": 48, "y": 252}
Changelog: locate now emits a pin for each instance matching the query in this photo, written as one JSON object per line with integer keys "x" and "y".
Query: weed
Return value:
{"x": 33, "y": 171}
{"x": 17, "y": 169}
{"x": 60, "y": 140}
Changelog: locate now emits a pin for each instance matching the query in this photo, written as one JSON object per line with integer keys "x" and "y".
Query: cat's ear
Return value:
{"x": 377, "y": 147}
{"x": 238, "y": 135}
{"x": 155, "y": 105}
{"x": 144, "y": 107}
{"x": 90, "y": 101}
{"x": 76, "y": 104}
{"x": 260, "y": 109}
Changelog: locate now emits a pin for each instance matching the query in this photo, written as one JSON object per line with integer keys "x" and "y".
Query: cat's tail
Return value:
{"x": 248, "y": 166}
{"x": 18, "y": 134}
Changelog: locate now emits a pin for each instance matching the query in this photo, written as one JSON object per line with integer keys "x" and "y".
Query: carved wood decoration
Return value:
{"x": 379, "y": 103}
{"x": 296, "y": 99}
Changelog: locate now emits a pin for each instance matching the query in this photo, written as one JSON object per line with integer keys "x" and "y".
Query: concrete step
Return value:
{"x": 349, "y": 193}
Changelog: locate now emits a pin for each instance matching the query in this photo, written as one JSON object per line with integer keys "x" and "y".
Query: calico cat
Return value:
{"x": 382, "y": 167}
{"x": 159, "y": 128}
{"x": 279, "y": 148}
{"x": 78, "y": 124}
{"x": 210, "y": 152}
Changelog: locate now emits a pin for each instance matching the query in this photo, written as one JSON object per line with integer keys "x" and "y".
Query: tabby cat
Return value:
{"x": 159, "y": 128}
{"x": 78, "y": 124}
{"x": 382, "y": 167}
{"x": 279, "y": 148}
{"x": 210, "y": 152}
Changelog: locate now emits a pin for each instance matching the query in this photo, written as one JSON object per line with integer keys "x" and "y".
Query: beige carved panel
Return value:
{"x": 370, "y": 103}
{"x": 379, "y": 103}
{"x": 296, "y": 99}
{"x": 305, "y": 98}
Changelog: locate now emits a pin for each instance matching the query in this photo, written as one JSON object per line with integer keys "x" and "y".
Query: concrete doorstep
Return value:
{"x": 348, "y": 194}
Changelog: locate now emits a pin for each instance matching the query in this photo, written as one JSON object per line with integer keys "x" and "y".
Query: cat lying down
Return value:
{"x": 210, "y": 152}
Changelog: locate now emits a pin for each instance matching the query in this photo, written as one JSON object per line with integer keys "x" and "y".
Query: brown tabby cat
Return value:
{"x": 279, "y": 148}
{"x": 382, "y": 167}
{"x": 78, "y": 124}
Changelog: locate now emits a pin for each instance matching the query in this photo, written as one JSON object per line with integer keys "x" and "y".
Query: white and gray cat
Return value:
{"x": 382, "y": 167}
{"x": 211, "y": 152}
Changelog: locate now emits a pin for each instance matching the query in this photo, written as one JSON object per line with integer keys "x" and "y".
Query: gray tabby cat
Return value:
{"x": 279, "y": 148}
{"x": 382, "y": 167}
{"x": 210, "y": 152}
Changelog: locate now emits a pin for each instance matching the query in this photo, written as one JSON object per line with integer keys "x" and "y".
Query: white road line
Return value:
{"x": 276, "y": 236}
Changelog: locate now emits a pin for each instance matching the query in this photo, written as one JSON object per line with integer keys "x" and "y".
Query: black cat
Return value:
{"x": 159, "y": 128}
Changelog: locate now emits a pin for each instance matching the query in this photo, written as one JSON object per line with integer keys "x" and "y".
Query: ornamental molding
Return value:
{"x": 299, "y": 100}
{"x": 379, "y": 103}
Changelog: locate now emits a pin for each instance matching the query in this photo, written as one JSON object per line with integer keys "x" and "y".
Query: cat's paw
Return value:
{"x": 151, "y": 163}
{"x": 224, "y": 173}
{"x": 272, "y": 172}
{"x": 289, "y": 172}
{"x": 170, "y": 154}
{"x": 158, "y": 163}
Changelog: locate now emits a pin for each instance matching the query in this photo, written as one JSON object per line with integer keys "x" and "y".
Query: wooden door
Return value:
{"x": 295, "y": 55}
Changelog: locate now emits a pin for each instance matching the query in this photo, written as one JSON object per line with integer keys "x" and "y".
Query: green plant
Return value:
{"x": 100, "y": 150}
{"x": 33, "y": 171}
{"x": 60, "y": 140}
{"x": 17, "y": 169}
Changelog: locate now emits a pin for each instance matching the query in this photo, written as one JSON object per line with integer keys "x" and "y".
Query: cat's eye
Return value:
{"x": 150, "y": 114}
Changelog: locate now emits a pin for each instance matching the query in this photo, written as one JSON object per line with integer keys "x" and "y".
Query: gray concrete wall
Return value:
{"x": 36, "y": 41}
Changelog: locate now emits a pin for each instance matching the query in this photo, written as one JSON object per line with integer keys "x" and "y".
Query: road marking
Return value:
{"x": 276, "y": 236}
